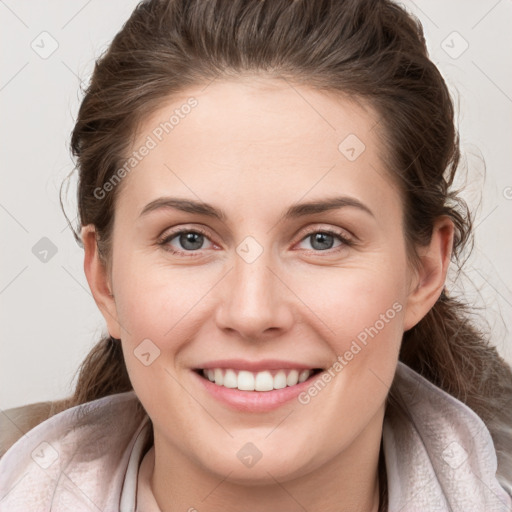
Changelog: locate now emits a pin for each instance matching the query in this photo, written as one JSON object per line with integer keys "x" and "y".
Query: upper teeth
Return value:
{"x": 258, "y": 381}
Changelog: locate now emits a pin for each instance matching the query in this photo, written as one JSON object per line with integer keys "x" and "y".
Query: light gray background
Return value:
{"x": 48, "y": 319}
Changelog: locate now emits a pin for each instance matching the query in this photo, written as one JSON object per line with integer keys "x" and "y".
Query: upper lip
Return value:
{"x": 255, "y": 366}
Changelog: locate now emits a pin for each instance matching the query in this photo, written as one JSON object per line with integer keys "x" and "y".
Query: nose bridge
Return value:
{"x": 253, "y": 298}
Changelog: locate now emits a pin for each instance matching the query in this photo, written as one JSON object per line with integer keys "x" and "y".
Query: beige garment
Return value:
{"x": 439, "y": 458}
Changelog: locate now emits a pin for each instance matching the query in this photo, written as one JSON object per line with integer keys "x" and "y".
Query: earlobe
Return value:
{"x": 99, "y": 282}
{"x": 431, "y": 274}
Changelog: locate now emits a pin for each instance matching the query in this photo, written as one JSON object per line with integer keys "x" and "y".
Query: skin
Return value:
{"x": 253, "y": 147}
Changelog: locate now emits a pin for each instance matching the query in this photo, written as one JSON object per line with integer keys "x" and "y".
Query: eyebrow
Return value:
{"x": 295, "y": 211}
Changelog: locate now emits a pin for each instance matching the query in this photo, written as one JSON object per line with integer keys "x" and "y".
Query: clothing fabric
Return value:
{"x": 439, "y": 457}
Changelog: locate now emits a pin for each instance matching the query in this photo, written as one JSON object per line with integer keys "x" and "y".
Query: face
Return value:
{"x": 319, "y": 288}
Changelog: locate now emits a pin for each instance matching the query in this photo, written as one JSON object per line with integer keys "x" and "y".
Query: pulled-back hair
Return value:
{"x": 370, "y": 50}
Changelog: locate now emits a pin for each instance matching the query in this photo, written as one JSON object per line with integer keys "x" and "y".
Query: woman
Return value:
{"x": 267, "y": 220}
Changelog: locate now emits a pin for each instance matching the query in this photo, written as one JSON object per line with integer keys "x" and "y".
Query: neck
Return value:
{"x": 346, "y": 482}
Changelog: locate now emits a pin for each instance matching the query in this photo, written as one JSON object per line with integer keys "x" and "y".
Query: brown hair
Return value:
{"x": 368, "y": 49}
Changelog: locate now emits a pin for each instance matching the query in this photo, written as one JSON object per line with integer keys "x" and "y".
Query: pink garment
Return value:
{"x": 439, "y": 458}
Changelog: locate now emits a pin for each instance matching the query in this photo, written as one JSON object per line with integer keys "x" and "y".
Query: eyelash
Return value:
{"x": 164, "y": 242}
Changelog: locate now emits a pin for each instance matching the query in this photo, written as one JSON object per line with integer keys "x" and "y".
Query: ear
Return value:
{"x": 99, "y": 281}
{"x": 428, "y": 283}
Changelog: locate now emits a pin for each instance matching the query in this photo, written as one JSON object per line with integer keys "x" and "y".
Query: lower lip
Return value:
{"x": 255, "y": 401}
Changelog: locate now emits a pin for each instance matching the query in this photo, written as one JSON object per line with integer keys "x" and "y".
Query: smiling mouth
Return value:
{"x": 267, "y": 380}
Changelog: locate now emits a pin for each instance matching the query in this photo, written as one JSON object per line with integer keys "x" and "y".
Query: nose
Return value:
{"x": 254, "y": 302}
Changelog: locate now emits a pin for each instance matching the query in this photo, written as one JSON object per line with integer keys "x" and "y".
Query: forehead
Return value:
{"x": 255, "y": 135}
{"x": 252, "y": 111}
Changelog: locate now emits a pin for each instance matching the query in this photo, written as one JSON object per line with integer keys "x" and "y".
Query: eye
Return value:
{"x": 190, "y": 240}
{"x": 322, "y": 240}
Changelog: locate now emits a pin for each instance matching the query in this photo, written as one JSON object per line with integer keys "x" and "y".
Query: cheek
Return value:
{"x": 150, "y": 296}
{"x": 161, "y": 309}
{"x": 363, "y": 309}
{"x": 156, "y": 310}
{"x": 153, "y": 300}
{"x": 353, "y": 302}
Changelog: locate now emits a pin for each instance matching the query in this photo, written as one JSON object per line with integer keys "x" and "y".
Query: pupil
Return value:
{"x": 320, "y": 237}
{"x": 191, "y": 238}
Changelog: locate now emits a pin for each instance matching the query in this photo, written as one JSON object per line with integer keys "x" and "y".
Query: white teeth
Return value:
{"x": 280, "y": 380}
{"x": 264, "y": 381}
{"x": 245, "y": 381}
{"x": 258, "y": 381}
{"x": 304, "y": 374}
{"x": 293, "y": 378}
{"x": 219, "y": 379}
{"x": 230, "y": 379}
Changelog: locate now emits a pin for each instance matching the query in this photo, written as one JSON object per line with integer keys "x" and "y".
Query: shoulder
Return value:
{"x": 440, "y": 447}
{"x": 17, "y": 421}
{"x": 70, "y": 458}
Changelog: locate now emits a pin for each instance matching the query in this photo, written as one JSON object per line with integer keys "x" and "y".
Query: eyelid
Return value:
{"x": 346, "y": 237}
{"x": 303, "y": 233}
{"x": 335, "y": 230}
{"x": 175, "y": 230}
